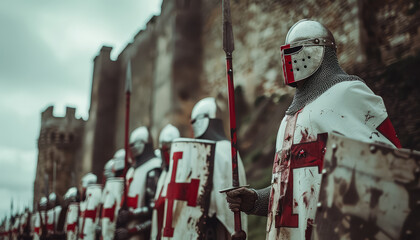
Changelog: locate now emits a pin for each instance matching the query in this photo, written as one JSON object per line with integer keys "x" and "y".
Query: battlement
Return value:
{"x": 49, "y": 114}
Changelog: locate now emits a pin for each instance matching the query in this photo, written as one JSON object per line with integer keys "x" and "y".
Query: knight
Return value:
{"x": 327, "y": 99}
{"x": 15, "y": 226}
{"x": 198, "y": 169}
{"x": 67, "y": 226}
{"x": 7, "y": 228}
{"x": 25, "y": 225}
{"x": 207, "y": 124}
{"x": 141, "y": 183}
{"x": 91, "y": 197}
{"x": 166, "y": 136}
{"x": 40, "y": 228}
{"x": 112, "y": 194}
{"x": 53, "y": 213}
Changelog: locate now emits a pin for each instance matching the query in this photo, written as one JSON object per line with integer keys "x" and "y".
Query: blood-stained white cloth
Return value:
{"x": 349, "y": 108}
{"x": 71, "y": 227}
{"x": 15, "y": 228}
{"x": 89, "y": 217}
{"x": 112, "y": 195}
{"x": 23, "y": 222}
{"x": 222, "y": 179}
{"x": 158, "y": 211}
{"x": 7, "y": 228}
{"x": 52, "y": 219}
{"x": 136, "y": 181}
{"x": 37, "y": 224}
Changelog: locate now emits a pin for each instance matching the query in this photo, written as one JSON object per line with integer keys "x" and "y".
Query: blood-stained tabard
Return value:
{"x": 159, "y": 208}
{"x": 15, "y": 228}
{"x": 52, "y": 219}
{"x": 71, "y": 227}
{"x": 112, "y": 195}
{"x": 368, "y": 191}
{"x": 190, "y": 190}
{"x": 349, "y": 107}
{"x": 39, "y": 224}
{"x": 136, "y": 180}
{"x": 7, "y": 228}
{"x": 89, "y": 212}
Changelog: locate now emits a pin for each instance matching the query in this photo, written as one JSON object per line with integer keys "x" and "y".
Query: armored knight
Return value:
{"x": 15, "y": 227}
{"x": 199, "y": 169}
{"x": 112, "y": 194}
{"x": 68, "y": 224}
{"x": 327, "y": 99}
{"x": 7, "y": 223}
{"x": 167, "y": 135}
{"x": 40, "y": 228}
{"x": 141, "y": 183}
{"x": 25, "y": 225}
{"x": 53, "y": 213}
{"x": 89, "y": 207}
{"x": 207, "y": 124}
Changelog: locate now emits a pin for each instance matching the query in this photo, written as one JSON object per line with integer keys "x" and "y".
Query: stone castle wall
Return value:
{"x": 60, "y": 151}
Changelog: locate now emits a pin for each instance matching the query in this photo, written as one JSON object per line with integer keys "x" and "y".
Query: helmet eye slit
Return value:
{"x": 292, "y": 50}
{"x": 203, "y": 115}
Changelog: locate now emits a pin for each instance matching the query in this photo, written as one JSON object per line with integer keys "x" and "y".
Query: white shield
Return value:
{"x": 112, "y": 195}
{"x": 71, "y": 221}
{"x": 186, "y": 190}
{"x": 368, "y": 191}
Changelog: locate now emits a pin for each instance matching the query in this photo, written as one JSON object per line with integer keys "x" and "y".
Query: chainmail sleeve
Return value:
{"x": 151, "y": 184}
{"x": 261, "y": 204}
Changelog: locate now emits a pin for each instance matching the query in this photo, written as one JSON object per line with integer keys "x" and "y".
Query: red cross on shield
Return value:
{"x": 178, "y": 191}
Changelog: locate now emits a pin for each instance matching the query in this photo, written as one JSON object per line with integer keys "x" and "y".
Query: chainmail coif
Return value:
{"x": 327, "y": 75}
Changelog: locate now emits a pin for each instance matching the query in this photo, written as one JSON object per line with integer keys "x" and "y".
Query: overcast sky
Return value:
{"x": 46, "y": 58}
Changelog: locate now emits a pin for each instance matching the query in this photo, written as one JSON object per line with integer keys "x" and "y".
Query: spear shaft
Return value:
{"x": 126, "y": 132}
{"x": 228, "y": 47}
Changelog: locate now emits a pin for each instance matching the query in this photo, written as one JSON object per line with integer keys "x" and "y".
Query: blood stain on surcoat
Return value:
{"x": 308, "y": 231}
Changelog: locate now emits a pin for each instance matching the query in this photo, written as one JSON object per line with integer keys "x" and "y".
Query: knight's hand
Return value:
{"x": 124, "y": 216}
{"x": 241, "y": 199}
{"x": 121, "y": 234}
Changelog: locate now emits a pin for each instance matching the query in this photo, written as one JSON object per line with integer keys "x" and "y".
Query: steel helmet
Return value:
{"x": 304, "y": 49}
{"x": 203, "y": 111}
{"x": 138, "y": 140}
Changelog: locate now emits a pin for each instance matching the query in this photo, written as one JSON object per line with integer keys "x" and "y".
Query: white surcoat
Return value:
{"x": 90, "y": 211}
{"x": 222, "y": 179}
{"x": 349, "y": 108}
{"x": 136, "y": 181}
{"x": 112, "y": 195}
{"x": 52, "y": 219}
{"x": 71, "y": 228}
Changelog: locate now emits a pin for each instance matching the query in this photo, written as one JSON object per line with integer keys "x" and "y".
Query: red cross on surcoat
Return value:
{"x": 71, "y": 227}
{"x": 160, "y": 209}
{"x": 309, "y": 154}
{"x": 178, "y": 191}
{"x": 109, "y": 212}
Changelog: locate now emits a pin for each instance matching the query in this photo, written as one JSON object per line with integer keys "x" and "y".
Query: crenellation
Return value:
{"x": 59, "y": 145}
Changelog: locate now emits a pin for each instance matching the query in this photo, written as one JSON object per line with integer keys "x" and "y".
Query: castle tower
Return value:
{"x": 59, "y": 153}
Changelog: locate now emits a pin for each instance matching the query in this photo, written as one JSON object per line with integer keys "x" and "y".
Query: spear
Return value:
{"x": 127, "y": 121}
{"x": 228, "y": 47}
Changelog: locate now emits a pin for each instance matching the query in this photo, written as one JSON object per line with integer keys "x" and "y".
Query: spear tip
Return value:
{"x": 128, "y": 78}
{"x": 228, "y": 44}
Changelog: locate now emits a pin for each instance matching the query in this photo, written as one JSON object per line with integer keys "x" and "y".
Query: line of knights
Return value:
{"x": 339, "y": 170}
